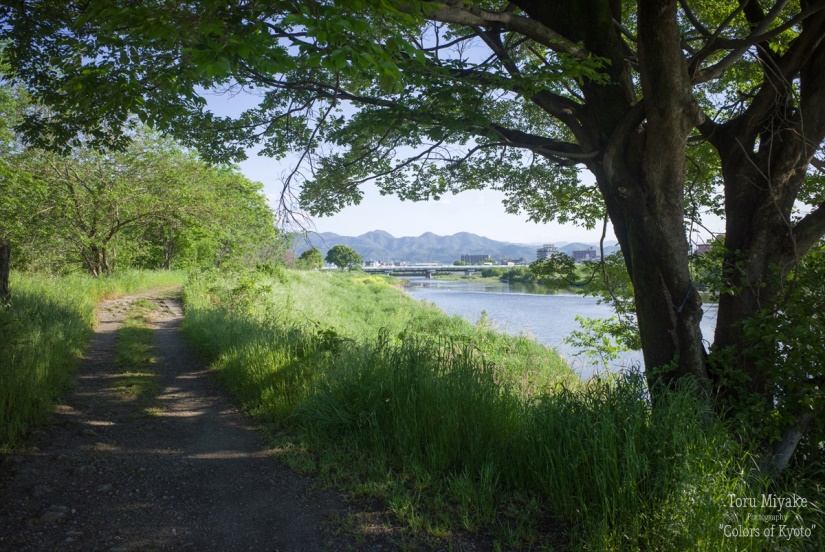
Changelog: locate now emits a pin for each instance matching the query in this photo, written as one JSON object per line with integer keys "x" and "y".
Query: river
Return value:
{"x": 531, "y": 310}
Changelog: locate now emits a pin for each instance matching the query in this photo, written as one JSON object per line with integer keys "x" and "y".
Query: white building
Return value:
{"x": 545, "y": 251}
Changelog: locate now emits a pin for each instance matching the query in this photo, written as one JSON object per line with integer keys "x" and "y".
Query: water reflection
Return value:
{"x": 531, "y": 310}
{"x": 470, "y": 286}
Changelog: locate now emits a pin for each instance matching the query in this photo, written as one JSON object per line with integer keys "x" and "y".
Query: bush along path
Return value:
{"x": 148, "y": 453}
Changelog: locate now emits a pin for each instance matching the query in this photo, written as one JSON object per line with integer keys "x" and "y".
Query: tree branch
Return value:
{"x": 438, "y": 47}
{"x": 787, "y": 67}
{"x": 727, "y": 43}
{"x": 541, "y": 145}
{"x": 718, "y": 69}
{"x": 808, "y": 231}
{"x": 562, "y": 108}
{"x": 459, "y": 13}
{"x": 693, "y": 19}
{"x": 423, "y": 155}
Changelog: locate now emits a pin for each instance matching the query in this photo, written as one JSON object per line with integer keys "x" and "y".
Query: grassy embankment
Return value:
{"x": 44, "y": 332}
{"x": 458, "y": 428}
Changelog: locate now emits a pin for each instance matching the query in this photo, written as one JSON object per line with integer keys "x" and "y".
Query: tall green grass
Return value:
{"x": 44, "y": 331}
{"x": 459, "y": 428}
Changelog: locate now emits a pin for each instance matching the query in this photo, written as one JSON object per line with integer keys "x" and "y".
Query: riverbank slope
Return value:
{"x": 460, "y": 430}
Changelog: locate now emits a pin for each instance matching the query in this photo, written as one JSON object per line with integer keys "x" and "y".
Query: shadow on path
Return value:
{"x": 189, "y": 472}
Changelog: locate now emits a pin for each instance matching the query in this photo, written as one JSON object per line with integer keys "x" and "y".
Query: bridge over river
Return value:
{"x": 428, "y": 271}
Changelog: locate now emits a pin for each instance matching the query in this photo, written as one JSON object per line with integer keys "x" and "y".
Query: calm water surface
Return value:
{"x": 529, "y": 310}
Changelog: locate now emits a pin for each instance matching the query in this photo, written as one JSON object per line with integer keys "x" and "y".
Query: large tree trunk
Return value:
{"x": 668, "y": 307}
{"x": 640, "y": 171}
{"x": 5, "y": 267}
{"x": 765, "y": 156}
{"x": 671, "y": 114}
{"x": 762, "y": 246}
{"x": 641, "y": 174}
{"x": 642, "y": 182}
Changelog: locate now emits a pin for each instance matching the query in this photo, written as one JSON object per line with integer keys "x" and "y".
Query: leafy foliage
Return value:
{"x": 343, "y": 257}
{"x": 558, "y": 270}
{"x": 785, "y": 341}
{"x": 152, "y": 205}
{"x": 515, "y": 275}
{"x": 310, "y": 259}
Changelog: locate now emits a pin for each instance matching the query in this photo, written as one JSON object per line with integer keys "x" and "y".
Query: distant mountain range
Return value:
{"x": 431, "y": 248}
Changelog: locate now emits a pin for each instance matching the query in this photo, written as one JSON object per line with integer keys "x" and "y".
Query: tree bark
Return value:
{"x": 765, "y": 156}
{"x": 104, "y": 258}
{"x": 5, "y": 267}
{"x": 93, "y": 261}
{"x": 642, "y": 182}
{"x": 668, "y": 307}
{"x": 641, "y": 174}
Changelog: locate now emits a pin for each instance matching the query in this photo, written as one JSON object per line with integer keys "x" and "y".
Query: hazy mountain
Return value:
{"x": 429, "y": 247}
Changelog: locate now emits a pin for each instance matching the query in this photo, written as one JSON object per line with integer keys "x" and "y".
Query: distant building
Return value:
{"x": 707, "y": 247}
{"x": 546, "y": 251}
{"x": 475, "y": 259}
{"x": 514, "y": 262}
{"x": 585, "y": 255}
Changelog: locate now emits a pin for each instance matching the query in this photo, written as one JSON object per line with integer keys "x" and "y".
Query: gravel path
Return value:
{"x": 188, "y": 474}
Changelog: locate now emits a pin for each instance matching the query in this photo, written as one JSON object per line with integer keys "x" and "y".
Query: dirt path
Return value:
{"x": 189, "y": 473}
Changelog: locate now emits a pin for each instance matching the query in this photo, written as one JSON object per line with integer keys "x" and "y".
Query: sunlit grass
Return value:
{"x": 44, "y": 332}
{"x": 460, "y": 429}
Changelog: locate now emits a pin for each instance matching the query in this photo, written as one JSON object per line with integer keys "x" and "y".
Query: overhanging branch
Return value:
{"x": 552, "y": 149}
{"x": 759, "y": 34}
{"x": 459, "y": 13}
{"x": 808, "y": 231}
{"x": 693, "y": 19}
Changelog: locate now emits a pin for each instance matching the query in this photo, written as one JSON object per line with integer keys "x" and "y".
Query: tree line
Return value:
{"x": 152, "y": 205}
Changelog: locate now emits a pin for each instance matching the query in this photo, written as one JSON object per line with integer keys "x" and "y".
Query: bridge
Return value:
{"x": 428, "y": 271}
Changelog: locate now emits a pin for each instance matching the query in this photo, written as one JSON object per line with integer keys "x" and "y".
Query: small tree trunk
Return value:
{"x": 5, "y": 266}
{"x": 168, "y": 250}
{"x": 93, "y": 262}
{"x": 104, "y": 256}
{"x": 775, "y": 461}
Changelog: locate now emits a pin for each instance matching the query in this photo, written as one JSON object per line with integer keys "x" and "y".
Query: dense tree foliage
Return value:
{"x": 676, "y": 107}
{"x": 10, "y": 107}
{"x": 152, "y": 205}
{"x": 343, "y": 257}
{"x": 310, "y": 259}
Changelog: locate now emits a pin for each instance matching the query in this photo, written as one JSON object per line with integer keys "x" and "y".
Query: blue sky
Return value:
{"x": 479, "y": 212}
